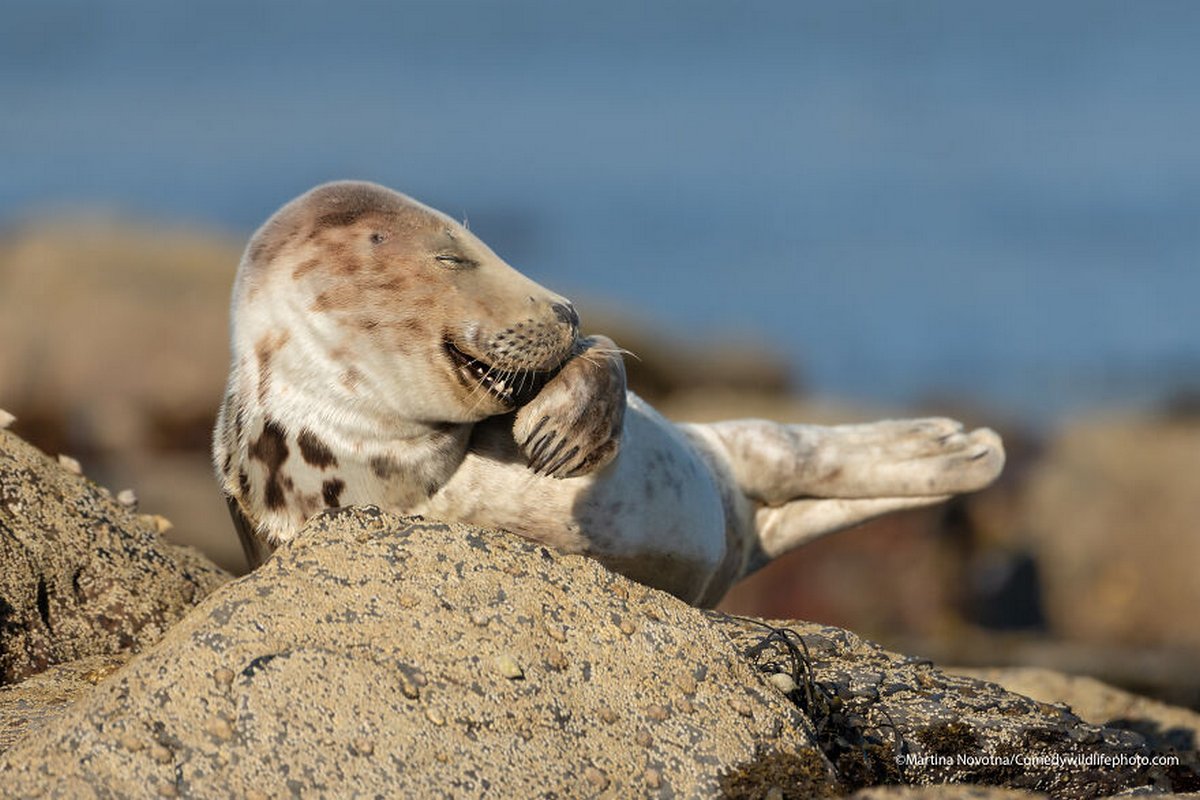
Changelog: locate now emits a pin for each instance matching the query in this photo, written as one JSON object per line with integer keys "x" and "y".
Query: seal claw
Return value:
{"x": 565, "y": 459}
{"x": 536, "y": 430}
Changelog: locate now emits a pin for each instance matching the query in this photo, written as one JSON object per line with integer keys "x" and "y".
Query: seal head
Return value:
{"x": 405, "y": 307}
{"x": 369, "y": 333}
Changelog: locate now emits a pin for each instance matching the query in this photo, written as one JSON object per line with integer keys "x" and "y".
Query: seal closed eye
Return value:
{"x": 383, "y": 354}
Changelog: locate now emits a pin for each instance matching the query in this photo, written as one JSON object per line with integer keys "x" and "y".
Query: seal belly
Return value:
{"x": 655, "y": 513}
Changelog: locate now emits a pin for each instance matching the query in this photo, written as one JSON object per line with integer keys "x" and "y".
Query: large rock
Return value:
{"x": 1111, "y": 514}
{"x": 1165, "y": 726}
{"x": 378, "y": 655}
{"x": 85, "y": 300}
{"x": 81, "y": 575}
{"x": 883, "y": 718}
{"x": 116, "y": 348}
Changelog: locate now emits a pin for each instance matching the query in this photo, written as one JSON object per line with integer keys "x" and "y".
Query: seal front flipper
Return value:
{"x": 573, "y": 426}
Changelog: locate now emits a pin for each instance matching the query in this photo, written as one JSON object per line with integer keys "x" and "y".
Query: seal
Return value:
{"x": 382, "y": 354}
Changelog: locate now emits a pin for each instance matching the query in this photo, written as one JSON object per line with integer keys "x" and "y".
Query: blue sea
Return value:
{"x": 998, "y": 202}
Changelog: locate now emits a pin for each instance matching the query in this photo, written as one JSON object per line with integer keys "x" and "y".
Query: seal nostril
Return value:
{"x": 566, "y": 313}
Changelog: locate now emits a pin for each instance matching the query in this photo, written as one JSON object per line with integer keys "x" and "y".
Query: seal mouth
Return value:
{"x": 511, "y": 387}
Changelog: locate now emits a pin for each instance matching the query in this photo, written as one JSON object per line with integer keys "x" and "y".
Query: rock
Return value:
{"x": 1166, "y": 727}
{"x": 884, "y": 718}
{"x": 395, "y": 656}
{"x": 80, "y": 575}
{"x": 943, "y": 791}
{"x": 76, "y": 311}
{"x": 1111, "y": 515}
{"x": 351, "y": 663}
{"x": 46, "y": 695}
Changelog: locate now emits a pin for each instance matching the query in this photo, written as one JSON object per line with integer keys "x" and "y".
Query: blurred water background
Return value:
{"x": 998, "y": 202}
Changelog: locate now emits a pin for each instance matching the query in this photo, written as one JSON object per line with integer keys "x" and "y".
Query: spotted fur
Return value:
{"x": 383, "y": 354}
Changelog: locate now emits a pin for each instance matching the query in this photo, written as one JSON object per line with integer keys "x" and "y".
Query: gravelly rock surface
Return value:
{"x": 884, "y": 718}
{"x": 81, "y": 575}
{"x": 37, "y": 700}
{"x": 1165, "y": 726}
{"x": 378, "y": 654}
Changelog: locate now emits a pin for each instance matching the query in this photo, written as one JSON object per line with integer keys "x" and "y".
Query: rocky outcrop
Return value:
{"x": 385, "y": 655}
{"x": 882, "y": 718}
{"x": 1111, "y": 514}
{"x": 80, "y": 574}
{"x": 1165, "y": 727}
{"x": 79, "y": 311}
{"x": 35, "y": 701}
{"x": 410, "y": 658}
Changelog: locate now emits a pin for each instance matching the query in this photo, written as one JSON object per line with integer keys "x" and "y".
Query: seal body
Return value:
{"x": 382, "y": 354}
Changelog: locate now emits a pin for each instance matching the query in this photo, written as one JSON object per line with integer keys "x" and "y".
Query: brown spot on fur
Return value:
{"x": 243, "y": 484}
{"x": 351, "y": 378}
{"x": 396, "y": 284}
{"x": 341, "y": 204}
{"x": 305, "y": 267}
{"x": 385, "y": 467}
{"x": 368, "y": 324}
{"x": 340, "y": 219}
{"x": 344, "y": 263}
{"x": 331, "y": 492}
{"x": 412, "y": 325}
{"x": 315, "y": 451}
{"x": 270, "y": 241}
{"x": 309, "y": 503}
{"x": 339, "y": 297}
{"x": 271, "y": 449}
{"x": 265, "y": 349}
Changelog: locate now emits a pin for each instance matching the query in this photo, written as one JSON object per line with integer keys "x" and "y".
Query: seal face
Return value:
{"x": 383, "y": 354}
{"x": 404, "y": 295}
